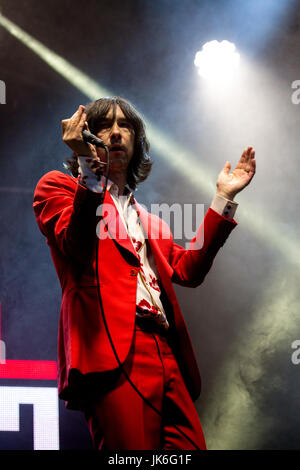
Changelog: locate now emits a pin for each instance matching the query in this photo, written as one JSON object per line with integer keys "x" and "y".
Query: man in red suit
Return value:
{"x": 129, "y": 366}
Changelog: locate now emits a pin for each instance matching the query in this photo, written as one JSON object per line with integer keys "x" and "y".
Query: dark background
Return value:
{"x": 245, "y": 316}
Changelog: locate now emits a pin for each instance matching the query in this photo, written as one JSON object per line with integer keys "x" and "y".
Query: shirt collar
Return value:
{"x": 112, "y": 188}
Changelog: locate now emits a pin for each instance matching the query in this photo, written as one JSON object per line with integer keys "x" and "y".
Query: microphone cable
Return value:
{"x": 102, "y": 308}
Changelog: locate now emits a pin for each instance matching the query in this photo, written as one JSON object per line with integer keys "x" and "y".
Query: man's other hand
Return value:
{"x": 229, "y": 184}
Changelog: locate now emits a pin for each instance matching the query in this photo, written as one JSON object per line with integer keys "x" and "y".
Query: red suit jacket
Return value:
{"x": 66, "y": 215}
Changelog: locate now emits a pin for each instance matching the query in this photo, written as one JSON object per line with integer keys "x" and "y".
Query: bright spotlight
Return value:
{"x": 217, "y": 61}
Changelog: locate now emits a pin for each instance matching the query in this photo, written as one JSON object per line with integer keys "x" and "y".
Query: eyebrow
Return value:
{"x": 106, "y": 120}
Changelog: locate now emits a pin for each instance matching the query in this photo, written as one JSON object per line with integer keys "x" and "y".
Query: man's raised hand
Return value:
{"x": 72, "y": 134}
{"x": 229, "y": 184}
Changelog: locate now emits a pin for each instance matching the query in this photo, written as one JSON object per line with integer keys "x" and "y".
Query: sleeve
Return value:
{"x": 191, "y": 265}
{"x": 87, "y": 177}
{"x": 66, "y": 214}
{"x": 224, "y": 207}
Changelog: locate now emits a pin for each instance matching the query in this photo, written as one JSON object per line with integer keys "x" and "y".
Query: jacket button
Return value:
{"x": 133, "y": 272}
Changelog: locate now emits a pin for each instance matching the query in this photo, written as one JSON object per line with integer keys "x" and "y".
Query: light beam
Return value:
{"x": 186, "y": 162}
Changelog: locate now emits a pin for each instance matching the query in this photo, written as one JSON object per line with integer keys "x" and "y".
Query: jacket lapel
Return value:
{"x": 114, "y": 224}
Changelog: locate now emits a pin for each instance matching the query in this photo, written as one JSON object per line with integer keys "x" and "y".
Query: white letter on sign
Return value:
{"x": 45, "y": 413}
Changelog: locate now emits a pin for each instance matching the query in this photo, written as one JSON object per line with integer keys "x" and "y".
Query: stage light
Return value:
{"x": 196, "y": 172}
{"x": 217, "y": 61}
{"x": 186, "y": 162}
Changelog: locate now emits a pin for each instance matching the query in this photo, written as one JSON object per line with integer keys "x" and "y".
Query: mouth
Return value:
{"x": 116, "y": 148}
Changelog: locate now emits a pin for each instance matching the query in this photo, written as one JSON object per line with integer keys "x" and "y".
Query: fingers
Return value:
{"x": 86, "y": 126}
{"x": 253, "y": 163}
{"x": 248, "y": 162}
{"x": 72, "y": 133}
{"x": 247, "y": 156}
{"x": 227, "y": 167}
{"x": 250, "y": 153}
{"x": 96, "y": 165}
{"x": 246, "y": 153}
{"x": 78, "y": 118}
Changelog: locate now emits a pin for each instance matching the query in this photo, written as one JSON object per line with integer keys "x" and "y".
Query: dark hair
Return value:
{"x": 140, "y": 164}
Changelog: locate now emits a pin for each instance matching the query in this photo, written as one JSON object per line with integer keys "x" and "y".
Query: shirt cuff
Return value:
{"x": 224, "y": 207}
{"x": 87, "y": 177}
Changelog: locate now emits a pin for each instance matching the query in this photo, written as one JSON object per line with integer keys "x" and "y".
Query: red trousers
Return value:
{"x": 119, "y": 419}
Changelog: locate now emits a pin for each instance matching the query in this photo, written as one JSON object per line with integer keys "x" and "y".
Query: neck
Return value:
{"x": 120, "y": 180}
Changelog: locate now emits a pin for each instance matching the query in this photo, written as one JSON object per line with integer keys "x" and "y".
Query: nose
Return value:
{"x": 115, "y": 134}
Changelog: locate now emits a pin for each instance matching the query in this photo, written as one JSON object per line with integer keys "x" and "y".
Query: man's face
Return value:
{"x": 118, "y": 134}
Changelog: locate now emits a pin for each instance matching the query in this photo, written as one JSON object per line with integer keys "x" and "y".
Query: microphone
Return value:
{"x": 92, "y": 139}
